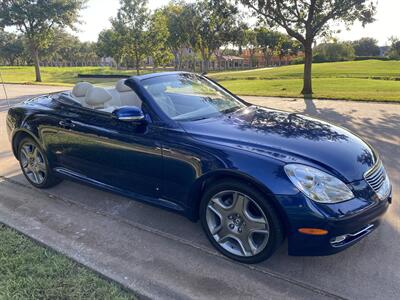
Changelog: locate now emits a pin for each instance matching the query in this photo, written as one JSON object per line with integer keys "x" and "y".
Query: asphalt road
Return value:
{"x": 163, "y": 255}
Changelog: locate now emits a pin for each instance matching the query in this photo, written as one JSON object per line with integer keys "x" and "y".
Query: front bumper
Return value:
{"x": 344, "y": 230}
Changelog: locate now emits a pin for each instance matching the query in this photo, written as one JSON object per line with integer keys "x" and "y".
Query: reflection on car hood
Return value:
{"x": 288, "y": 137}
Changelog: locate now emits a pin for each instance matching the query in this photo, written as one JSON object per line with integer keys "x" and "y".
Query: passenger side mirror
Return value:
{"x": 129, "y": 114}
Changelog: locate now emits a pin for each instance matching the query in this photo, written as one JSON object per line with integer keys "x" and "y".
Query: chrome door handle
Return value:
{"x": 66, "y": 124}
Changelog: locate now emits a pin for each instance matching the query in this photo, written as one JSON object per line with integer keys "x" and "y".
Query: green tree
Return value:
{"x": 111, "y": 44}
{"x": 267, "y": 41}
{"x": 178, "y": 30}
{"x": 287, "y": 46}
{"x": 65, "y": 49}
{"x": 36, "y": 20}
{"x": 328, "y": 52}
{"x": 238, "y": 36}
{"x": 131, "y": 26}
{"x": 215, "y": 21}
{"x": 305, "y": 20}
{"x": 61, "y": 48}
{"x": 250, "y": 38}
{"x": 12, "y": 48}
{"x": 394, "y": 51}
{"x": 192, "y": 24}
{"x": 87, "y": 53}
{"x": 366, "y": 47}
{"x": 159, "y": 35}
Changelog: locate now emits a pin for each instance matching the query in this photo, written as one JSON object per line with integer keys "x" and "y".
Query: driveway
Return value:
{"x": 163, "y": 255}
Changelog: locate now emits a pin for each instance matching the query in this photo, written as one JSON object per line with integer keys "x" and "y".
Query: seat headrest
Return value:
{"x": 81, "y": 89}
{"x": 122, "y": 87}
{"x": 97, "y": 96}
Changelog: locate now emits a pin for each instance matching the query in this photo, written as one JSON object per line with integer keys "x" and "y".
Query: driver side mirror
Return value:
{"x": 129, "y": 114}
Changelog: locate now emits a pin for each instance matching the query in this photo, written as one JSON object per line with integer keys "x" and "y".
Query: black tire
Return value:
{"x": 276, "y": 231}
{"x": 49, "y": 178}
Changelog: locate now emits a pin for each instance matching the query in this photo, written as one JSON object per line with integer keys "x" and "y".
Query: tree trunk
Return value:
{"x": 266, "y": 57}
{"x": 204, "y": 65}
{"x": 204, "y": 61}
{"x": 219, "y": 62}
{"x": 176, "y": 60}
{"x": 137, "y": 64}
{"x": 36, "y": 62}
{"x": 307, "y": 83}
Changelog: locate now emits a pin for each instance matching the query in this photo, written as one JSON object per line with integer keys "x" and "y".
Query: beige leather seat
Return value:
{"x": 106, "y": 100}
{"x": 97, "y": 98}
{"x": 127, "y": 96}
{"x": 80, "y": 91}
{"x": 123, "y": 95}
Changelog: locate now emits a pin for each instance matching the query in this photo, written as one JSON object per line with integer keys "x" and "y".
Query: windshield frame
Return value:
{"x": 211, "y": 82}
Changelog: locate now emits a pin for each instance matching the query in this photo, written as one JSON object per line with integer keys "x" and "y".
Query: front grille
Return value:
{"x": 378, "y": 180}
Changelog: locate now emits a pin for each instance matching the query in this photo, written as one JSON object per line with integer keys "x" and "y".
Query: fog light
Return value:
{"x": 339, "y": 239}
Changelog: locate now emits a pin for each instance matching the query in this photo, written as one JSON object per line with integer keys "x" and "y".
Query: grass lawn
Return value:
{"x": 30, "y": 271}
{"x": 60, "y": 75}
{"x": 325, "y": 88}
{"x": 356, "y": 80}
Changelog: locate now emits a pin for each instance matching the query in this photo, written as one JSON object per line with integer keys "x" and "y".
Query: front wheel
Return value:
{"x": 240, "y": 222}
{"x": 34, "y": 164}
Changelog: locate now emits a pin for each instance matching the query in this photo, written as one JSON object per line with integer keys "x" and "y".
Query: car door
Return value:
{"x": 111, "y": 152}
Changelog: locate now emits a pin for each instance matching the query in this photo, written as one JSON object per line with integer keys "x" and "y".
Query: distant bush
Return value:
{"x": 366, "y": 47}
{"x": 319, "y": 57}
{"x": 394, "y": 51}
{"x": 331, "y": 52}
{"x": 372, "y": 57}
{"x": 297, "y": 61}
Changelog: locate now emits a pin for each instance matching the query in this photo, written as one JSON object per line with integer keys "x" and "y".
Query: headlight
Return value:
{"x": 317, "y": 185}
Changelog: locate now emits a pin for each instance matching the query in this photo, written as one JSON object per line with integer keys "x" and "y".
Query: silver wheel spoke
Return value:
{"x": 245, "y": 247}
{"x": 31, "y": 176}
{"x": 25, "y": 153}
{"x": 35, "y": 176}
{"x": 24, "y": 161}
{"x": 239, "y": 202}
{"x": 223, "y": 235}
{"x": 33, "y": 163}
{"x": 218, "y": 207}
{"x": 256, "y": 224}
{"x": 40, "y": 175}
{"x": 42, "y": 167}
{"x": 237, "y": 223}
{"x": 35, "y": 153}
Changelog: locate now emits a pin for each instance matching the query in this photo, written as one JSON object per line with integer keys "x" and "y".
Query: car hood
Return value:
{"x": 288, "y": 137}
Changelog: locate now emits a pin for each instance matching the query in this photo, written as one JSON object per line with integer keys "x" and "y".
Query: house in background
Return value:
{"x": 383, "y": 50}
{"x": 255, "y": 58}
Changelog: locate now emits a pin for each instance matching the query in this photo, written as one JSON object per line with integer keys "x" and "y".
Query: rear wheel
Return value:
{"x": 240, "y": 222}
{"x": 34, "y": 164}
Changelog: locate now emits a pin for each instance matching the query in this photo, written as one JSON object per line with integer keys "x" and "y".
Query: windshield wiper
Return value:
{"x": 199, "y": 118}
{"x": 231, "y": 110}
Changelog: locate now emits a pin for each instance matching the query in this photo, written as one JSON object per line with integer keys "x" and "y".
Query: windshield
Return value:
{"x": 190, "y": 97}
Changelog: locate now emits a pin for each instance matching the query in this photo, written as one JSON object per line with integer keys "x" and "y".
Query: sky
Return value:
{"x": 98, "y": 13}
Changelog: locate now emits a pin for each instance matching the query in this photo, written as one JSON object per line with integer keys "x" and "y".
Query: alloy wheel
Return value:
{"x": 237, "y": 223}
{"x": 33, "y": 163}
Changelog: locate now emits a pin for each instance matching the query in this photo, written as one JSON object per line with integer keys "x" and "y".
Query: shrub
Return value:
{"x": 372, "y": 57}
{"x": 297, "y": 61}
{"x": 366, "y": 47}
{"x": 330, "y": 52}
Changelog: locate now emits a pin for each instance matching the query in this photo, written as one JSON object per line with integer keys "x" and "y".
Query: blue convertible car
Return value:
{"x": 252, "y": 175}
